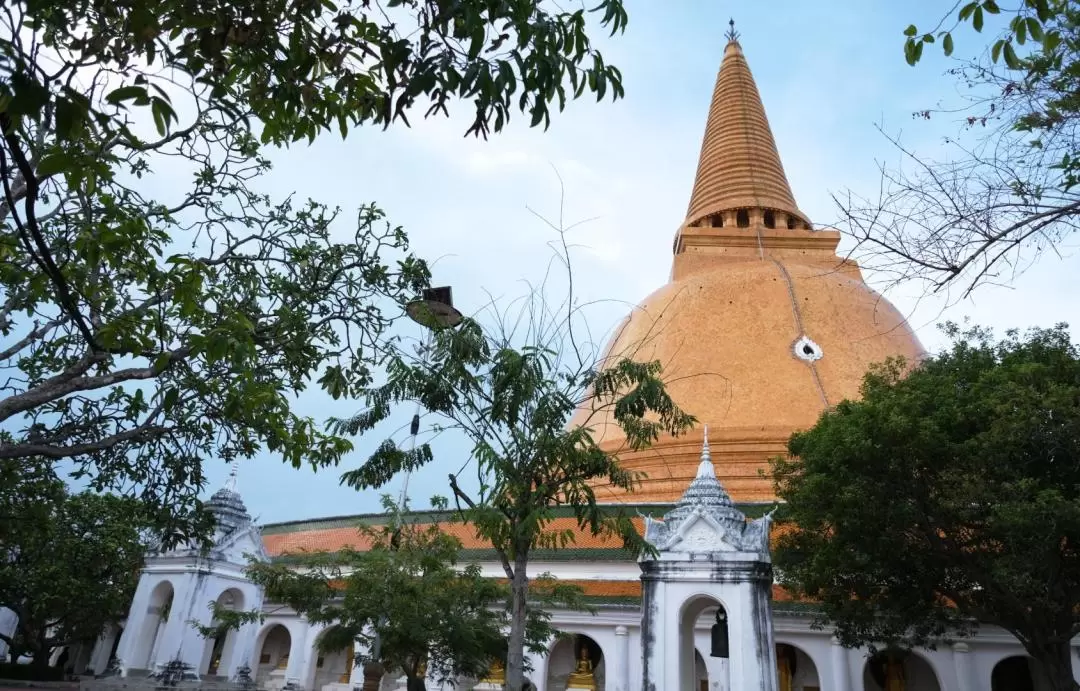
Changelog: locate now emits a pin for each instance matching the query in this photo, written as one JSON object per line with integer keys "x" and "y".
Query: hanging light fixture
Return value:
{"x": 435, "y": 309}
{"x": 720, "y": 634}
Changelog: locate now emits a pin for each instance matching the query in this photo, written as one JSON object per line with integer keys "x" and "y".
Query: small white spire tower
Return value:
{"x": 711, "y": 562}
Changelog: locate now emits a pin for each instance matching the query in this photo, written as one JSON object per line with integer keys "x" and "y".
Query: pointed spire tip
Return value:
{"x": 705, "y": 468}
{"x": 230, "y": 484}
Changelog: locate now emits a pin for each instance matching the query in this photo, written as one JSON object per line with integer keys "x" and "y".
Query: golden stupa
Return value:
{"x": 761, "y": 326}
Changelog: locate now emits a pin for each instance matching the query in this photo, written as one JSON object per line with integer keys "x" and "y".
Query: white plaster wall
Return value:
{"x": 837, "y": 668}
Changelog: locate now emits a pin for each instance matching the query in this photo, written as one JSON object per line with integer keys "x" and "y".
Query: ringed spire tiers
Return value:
{"x": 739, "y": 167}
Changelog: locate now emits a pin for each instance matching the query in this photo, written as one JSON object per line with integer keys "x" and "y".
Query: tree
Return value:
{"x": 510, "y": 389}
{"x": 946, "y": 498}
{"x": 1005, "y": 189}
{"x": 151, "y": 323}
{"x": 405, "y": 595}
{"x": 70, "y": 562}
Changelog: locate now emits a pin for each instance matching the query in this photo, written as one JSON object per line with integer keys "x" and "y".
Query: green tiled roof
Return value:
{"x": 752, "y": 510}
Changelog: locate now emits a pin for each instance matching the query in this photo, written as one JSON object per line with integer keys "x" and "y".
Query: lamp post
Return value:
{"x": 434, "y": 310}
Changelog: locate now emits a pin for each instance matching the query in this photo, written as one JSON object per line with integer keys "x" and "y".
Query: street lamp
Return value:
{"x": 434, "y": 310}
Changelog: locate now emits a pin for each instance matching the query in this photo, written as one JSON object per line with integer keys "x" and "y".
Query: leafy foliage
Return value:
{"x": 511, "y": 390}
{"x": 151, "y": 323}
{"x": 70, "y": 561}
{"x": 406, "y": 596}
{"x": 1032, "y": 20}
{"x": 1005, "y": 189}
{"x": 946, "y": 498}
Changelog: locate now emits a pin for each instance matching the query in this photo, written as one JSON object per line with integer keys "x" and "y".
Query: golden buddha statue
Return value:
{"x": 582, "y": 676}
{"x": 349, "y": 662}
{"x": 784, "y": 675}
{"x": 215, "y": 662}
{"x": 283, "y": 662}
{"x": 894, "y": 674}
{"x": 496, "y": 673}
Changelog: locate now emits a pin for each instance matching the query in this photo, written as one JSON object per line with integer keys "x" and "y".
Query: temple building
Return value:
{"x": 761, "y": 327}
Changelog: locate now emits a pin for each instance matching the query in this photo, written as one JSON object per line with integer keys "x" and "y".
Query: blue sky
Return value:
{"x": 827, "y": 72}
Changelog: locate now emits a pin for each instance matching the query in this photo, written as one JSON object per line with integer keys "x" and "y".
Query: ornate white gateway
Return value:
{"x": 711, "y": 561}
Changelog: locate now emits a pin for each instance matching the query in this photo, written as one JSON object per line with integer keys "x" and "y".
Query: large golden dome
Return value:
{"x": 762, "y": 326}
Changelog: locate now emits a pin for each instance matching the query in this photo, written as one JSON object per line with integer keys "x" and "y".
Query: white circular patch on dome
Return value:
{"x": 806, "y": 349}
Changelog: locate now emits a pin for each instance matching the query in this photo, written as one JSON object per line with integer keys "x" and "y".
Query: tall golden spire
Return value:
{"x": 739, "y": 166}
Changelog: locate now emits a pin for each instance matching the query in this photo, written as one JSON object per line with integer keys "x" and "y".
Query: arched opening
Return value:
{"x": 221, "y": 649}
{"x": 696, "y": 622}
{"x": 273, "y": 654}
{"x": 1016, "y": 673}
{"x": 795, "y": 670}
{"x": 770, "y": 218}
{"x": 153, "y": 627}
{"x": 576, "y": 663}
{"x": 791, "y": 222}
{"x": 331, "y": 666}
{"x": 701, "y": 672}
{"x": 742, "y": 218}
{"x": 891, "y": 669}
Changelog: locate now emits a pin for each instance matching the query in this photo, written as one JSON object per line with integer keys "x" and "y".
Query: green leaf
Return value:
{"x": 1051, "y": 42}
{"x": 1011, "y": 60}
{"x": 977, "y": 19}
{"x": 1035, "y": 29}
{"x": 947, "y": 44}
{"x": 127, "y": 93}
{"x": 911, "y": 30}
{"x": 54, "y": 163}
{"x": 991, "y": 6}
{"x": 995, "y": 51}
{"x": 909, "y": 51}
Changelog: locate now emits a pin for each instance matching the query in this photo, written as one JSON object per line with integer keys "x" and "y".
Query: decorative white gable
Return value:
{"x": 701, "y": 534}
{"x": 706, "y": 520}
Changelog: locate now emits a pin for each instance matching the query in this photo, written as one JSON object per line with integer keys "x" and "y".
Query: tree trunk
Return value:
{"x": 415, "y": 683}
{"x": 515, "y": 654}
{"x": 40, "y": 664}
{"x": 1055, "y": 665}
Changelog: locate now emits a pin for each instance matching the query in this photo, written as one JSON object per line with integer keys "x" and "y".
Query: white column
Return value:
{"x": 177, "y": 626}
{"x": 99, "y": 659}
{"x": 962, "y": 660}
{"x": 356, "y": 677}
{"x": 840, "y": 672}
{"x": 299, "y": 651}
{"x": 539, "y": 674}
{"x": 619, "y": 673}
{"x": 130, "y": 638}
{"x": 243, "y": 650}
